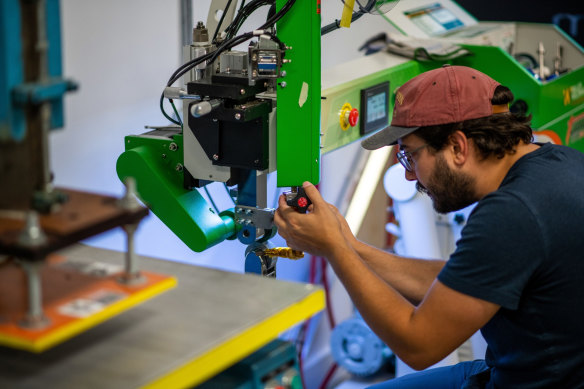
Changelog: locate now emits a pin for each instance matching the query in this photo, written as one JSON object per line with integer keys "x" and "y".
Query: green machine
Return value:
{"x": 246, "y": 114}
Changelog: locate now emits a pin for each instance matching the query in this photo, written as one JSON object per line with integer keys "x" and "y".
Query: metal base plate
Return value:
{"x": 82, "y": 216}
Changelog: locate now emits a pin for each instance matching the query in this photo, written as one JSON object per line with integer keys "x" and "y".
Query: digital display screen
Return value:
{"x": 434, "y": 19}
{"x": 374, "y": 107}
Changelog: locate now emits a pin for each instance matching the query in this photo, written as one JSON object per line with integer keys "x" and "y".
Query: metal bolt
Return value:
{"x": 283, "y": 84}
{"x": 237, "y": 116}
{"x": 254, "y": 57}
{"x": 32, "y": 234}
{"x": 242, "y": 91}
{"x": 178, "y": 167}
{"x": 173, "y": 146}
{"x": 283, "y": 73}
{"x": 254, "y": 73}
{"x": 215, "y": 157}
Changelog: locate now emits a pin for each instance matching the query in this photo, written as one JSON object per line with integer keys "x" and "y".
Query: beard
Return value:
{"x": 448, "y": 189}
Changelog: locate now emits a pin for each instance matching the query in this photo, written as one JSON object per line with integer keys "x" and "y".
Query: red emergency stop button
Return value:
{"x": 302, "y": 202}
{"x": 353, "y": 117}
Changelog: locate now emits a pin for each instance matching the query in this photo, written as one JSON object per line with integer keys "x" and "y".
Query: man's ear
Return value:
{"x": 459, "y": 144}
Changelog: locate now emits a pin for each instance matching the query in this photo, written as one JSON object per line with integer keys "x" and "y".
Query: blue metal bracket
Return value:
{"x": 15, "y": 91}
{"x": 32, "y": 93}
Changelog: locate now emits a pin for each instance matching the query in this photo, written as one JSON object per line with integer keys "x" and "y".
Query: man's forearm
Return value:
{"x": 409, "y": 276}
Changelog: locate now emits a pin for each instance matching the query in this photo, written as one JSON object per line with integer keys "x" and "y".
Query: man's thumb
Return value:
{"x": 312, "y": 193}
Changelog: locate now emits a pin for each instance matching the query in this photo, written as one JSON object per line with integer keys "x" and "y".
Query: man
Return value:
{"x": 517, "y": 273}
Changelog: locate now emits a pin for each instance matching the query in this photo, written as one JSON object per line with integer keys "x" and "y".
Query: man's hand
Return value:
{"x": 317, "y": 232}
{"x": 346, "y": 230}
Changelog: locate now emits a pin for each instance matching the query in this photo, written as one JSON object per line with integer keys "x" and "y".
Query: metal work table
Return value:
{"x": 181, "y": 338}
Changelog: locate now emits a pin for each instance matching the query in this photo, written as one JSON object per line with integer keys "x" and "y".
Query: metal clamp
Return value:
{"x": 256, "y": 217}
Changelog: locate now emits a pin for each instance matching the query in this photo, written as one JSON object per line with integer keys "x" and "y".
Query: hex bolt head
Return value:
{"x": 283, "y": 84}
{"x": 215, "y": 157}
{"x": 283, "y": 73}
{"x": 238, "y": 116}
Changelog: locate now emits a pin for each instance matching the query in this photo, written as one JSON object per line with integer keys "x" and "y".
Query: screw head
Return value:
{"x": 283, "y": 84}
{"x": 242, "y": 91}
{"x": 283, "y": 73}
{"x": 238, "y": 116}
{"x": 173, "y": 146}
{"x": 215, "y": 157}
{"x": 178, "y": 167}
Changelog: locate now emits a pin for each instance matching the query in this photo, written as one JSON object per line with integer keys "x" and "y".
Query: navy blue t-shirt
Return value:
{"x": 523, "y": 249}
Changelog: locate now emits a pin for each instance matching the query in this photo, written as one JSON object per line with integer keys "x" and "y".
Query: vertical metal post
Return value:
{"x": 131, "y": 268}
{"x": 34, "y": 318}
{"x": 186, "y": 22}
{"x": 132, "y": 273}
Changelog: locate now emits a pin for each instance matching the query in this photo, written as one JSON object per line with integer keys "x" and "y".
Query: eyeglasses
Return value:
{"x": 406, "y": 159}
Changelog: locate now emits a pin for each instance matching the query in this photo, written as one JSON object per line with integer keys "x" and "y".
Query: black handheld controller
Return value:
{"x": 298, "y": 200}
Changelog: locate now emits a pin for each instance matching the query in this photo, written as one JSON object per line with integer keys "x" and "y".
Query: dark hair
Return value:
{"x": 496, "y": 135}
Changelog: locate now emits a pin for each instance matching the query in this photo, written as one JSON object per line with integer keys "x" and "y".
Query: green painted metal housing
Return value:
{"x": 156, "y": 167}
{"x": 298, "y": 111}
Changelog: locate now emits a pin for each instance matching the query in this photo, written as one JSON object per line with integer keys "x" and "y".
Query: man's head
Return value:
{"x": 443, "y": 117}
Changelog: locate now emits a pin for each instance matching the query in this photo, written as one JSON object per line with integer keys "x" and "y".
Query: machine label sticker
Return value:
{"x": 303, "y": 94}
{"x": 90, "y": 305}
{"x": 574, "y": 94}
{"x": 96, "y": 269}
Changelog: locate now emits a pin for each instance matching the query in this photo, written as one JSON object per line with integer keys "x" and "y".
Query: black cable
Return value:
{"x": 186, "y": 67}
{"x": 243, "y": 14}
{"x": 211, "y": 200}
{"x": 271, "y": 11}
{"x": 279, "y": 15}
{"x": 164, "y": 112}
{"x": 212, "y": 56}
{"x": 221, "y": 20}
{"x": 241, "y": 6}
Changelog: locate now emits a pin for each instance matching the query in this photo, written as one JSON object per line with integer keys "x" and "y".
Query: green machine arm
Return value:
{"x": 156, "y": 165}
{"x": 233, "y": 133}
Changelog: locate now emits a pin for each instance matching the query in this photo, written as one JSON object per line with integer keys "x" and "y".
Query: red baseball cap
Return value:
{"x": 449, "y": 94}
